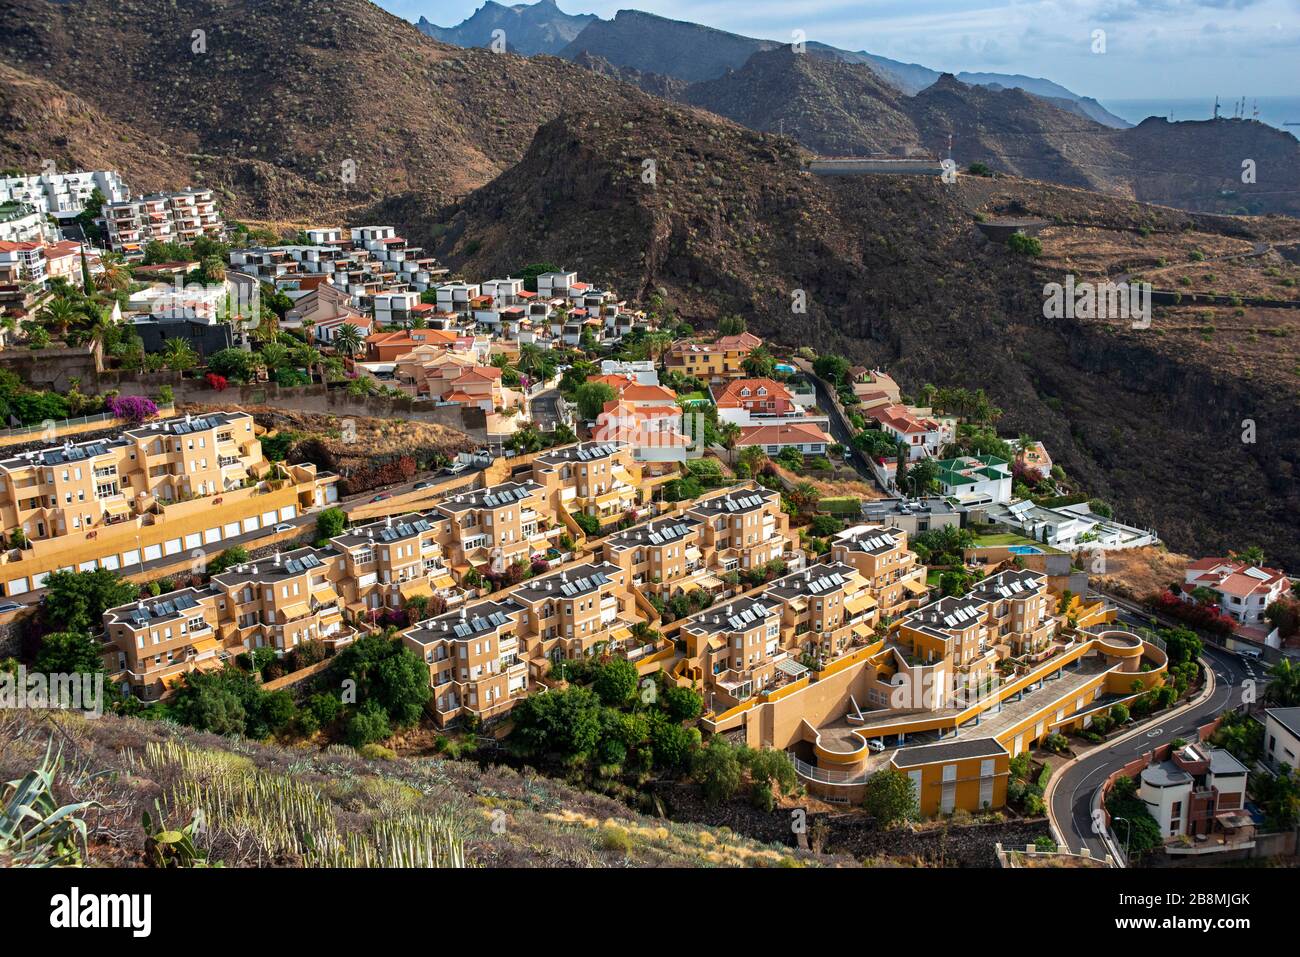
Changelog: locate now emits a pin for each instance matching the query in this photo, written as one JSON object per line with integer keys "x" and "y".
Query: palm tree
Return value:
{"x": 1284, "y": 685}
{"x": 179, "y": 356}
{"x": 803, "y": 496}
{"x": 274, "y": 355}
{"x": 58, "y": 314}
{"x": 730, "y": 435}
{"x": 113, "y": 275}
{"x": 348, "y": 339}
{"x": 214, "y": 269}
{"x": 1254, "y": 555}
{"x": 308, "y": 358}
{"x": 98, "y": 329}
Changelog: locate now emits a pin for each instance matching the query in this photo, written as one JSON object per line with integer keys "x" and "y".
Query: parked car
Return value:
{"x": 8, "y": 606}
{"x": 284, "y": 527}
{"x": 381, "y": 496}
{"x": 423, "y": 485}
{"x": 1253, "y": 653}
{"x": 875, "y": 744}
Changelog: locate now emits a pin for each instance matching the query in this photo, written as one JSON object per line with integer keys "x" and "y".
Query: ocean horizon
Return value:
{"x": 1273, "y": 110}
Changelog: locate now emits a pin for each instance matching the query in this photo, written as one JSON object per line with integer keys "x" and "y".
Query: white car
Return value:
{"x": 875, "y": 744}
{"x": 284, "y": 527}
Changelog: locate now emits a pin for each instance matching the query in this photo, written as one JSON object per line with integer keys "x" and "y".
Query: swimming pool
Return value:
{"x": 1024, "y": 550}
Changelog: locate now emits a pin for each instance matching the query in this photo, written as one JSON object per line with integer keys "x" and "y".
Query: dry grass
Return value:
{"x": 1136, "y": 573}
{"x": 834, "y": 488}
{"x": 1266, "y": 276}
{"x": 1093, "y": 253}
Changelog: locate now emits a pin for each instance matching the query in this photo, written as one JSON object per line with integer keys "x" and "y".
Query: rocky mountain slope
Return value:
{"x": 832, "y": 107}
{"x": 690, "y": 51}
{"x": 541, "y": 27}
{"x": 895, "y": 272}
{"x": 299, "y": 108}
{"x": 839, "y": 108}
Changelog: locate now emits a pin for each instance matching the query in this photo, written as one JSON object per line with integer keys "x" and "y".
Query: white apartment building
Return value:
{"x": 554, "y": 285}
{"x": 180, "y": 217}
{"x": 455, "y": 296}
{"x": 62, "y": 195}
{"x": 21, "y": 223}
{"x": 395, "y": 308}
{"x": 366, "y": 262}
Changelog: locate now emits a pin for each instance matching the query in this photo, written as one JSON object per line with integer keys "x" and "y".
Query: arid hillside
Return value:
{"x": 272, "y": 806}
{"x": 289, "y": 108}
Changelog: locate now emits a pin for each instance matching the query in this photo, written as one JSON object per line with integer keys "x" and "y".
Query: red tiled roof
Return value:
{"x": 729, "y": 394}
{"x": 798, "y": 433}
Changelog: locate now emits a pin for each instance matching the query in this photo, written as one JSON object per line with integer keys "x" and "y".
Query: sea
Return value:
{"x": 1273, "y": 110}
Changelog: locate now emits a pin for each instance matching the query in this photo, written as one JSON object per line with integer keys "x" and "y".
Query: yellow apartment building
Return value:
{"x": 592, "y": 478}
{"x": 970, "y": 774}
{"x": 735, "y": 650}
{"x": 498, "y": 525}
{"x": 280, "y": 603}
{"x": 475, "y": 659}
{"x": 385, "y": 563}
{"x": 881, "y": 556}
{"x": 661, "y": 556}
{"x": 576, "y": 612}
{"x": 1021, "y": 619}
{"x": 744, "y": 528}
{"x": 178, "y": 487}
{"x": 712, "y": 361}
{"x": 825, "y": 609}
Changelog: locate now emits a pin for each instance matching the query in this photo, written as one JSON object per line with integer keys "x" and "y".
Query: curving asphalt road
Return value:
{"x": 1071, "y": 800}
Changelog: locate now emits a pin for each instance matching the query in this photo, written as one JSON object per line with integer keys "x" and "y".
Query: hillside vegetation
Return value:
{"x": 269, "y": 806}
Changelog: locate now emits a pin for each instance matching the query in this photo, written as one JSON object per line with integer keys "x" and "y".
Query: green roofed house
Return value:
{"x": 976, "y": 479}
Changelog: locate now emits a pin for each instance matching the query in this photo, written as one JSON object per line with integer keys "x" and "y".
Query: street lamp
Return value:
{"x": 1128, "y": 833}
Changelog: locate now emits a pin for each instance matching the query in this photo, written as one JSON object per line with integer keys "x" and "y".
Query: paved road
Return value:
{"x": 1072, "y": 796}
{"x": 841, "y": 431}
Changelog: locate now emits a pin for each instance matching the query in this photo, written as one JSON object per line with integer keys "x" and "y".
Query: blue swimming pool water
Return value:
{"x": 1024, "y": 550}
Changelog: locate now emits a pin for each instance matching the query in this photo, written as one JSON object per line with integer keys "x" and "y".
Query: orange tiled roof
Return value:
{"x": 798, "y": 433}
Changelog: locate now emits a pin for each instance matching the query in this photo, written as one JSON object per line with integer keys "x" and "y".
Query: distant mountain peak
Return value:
{"x": 540, "y": 27}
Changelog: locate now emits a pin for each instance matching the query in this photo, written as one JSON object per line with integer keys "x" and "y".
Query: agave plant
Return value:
{"x": 34, "y": 830}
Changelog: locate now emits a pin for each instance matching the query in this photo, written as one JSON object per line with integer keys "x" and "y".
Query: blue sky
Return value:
{"x": 1154, "y": 48}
